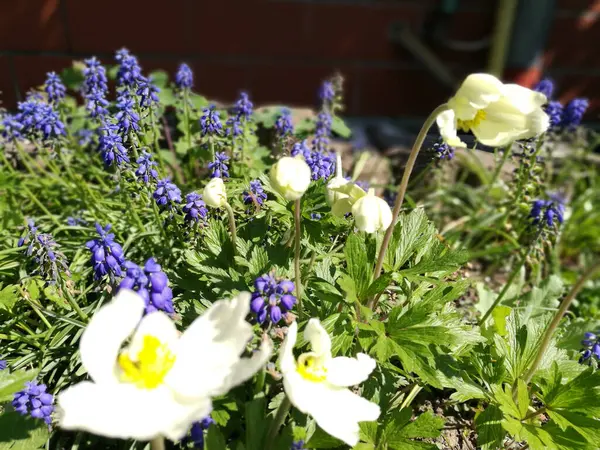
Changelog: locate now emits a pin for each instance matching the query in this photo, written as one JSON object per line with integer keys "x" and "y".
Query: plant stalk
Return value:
{"x": 232, "y": 228}
{"x": 297, "y": 258}
{"x": 564, "y": 306}
{"x": 282, "y": 411}
{"x": 402, "y": 191}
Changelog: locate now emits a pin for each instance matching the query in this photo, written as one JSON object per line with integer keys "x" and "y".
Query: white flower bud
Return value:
{"x": 214, "y": 193}
{"x": 290, "y": 177}
{"x": 371, "y": 213}
{"x": 336, "y": 182}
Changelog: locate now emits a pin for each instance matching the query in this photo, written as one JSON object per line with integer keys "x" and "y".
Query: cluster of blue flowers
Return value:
{"x": 44, "y": 251}
{"x": 301, "y": 148}
{"x": 283, "y": 124}
{"x": 34, "y": 401}
{"x": 127, "y": 118}
{"x": 54, "y": 87}
{"x": 210, "y": 122}
{"x": 243, "y": 107}
{"x": 147, "y": 92}
{"x": 562, "y": 117}
{"x": 145, "y": 170}
{"x": 298, "y": 445}
{"x": 591, "y": 342}
{"x": 130, "y": 72}
{"x": 34, "y": 120}
{"x": 443, "y": 150}
{"x": 544, "y": 212}
{"x": 107, "y": 255}
{"x": 151, "y": 283}
{"x": 321, "y": 163}
{"x": 272, "y": 298}
{"x": 255, "y": 193}
{"x": 3, "y": 364}
{"x": 111, "y": 145}
{"x": 197, "y": 431}
{"x": 95, "y": 87}
{"x": 218, "y": 168}
{"x": 167, "y": 194}
{"x": 184, "y": 78}
{"x": 195, "y": 209}
{"x": 327, "y": 93}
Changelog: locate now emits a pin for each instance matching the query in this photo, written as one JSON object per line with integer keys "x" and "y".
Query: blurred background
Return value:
{"x": 399, "y": 58}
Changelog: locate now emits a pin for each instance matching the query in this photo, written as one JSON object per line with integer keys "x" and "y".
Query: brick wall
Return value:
{"x": 280, "y": 50}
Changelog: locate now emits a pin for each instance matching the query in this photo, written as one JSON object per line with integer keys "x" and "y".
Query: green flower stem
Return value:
{"x": 35, "y": 307}
{"x": 282, "y": 412}
{"x": 232, "y": 228}
{"x": 83, "y": 316}
{"x": 507, "y": 153}
{"x": 130, "y": 207}
{"x": 298, "y": 236}
{"x": 564, "y": 306}
{"x": 186, "y": 117}
{"x": 157, "y": 443}
{"x": 211, "y": 144}
{"x": 402, "y": 191}
{"x": 158, "y": 220}
{"x": 411, "y": 396}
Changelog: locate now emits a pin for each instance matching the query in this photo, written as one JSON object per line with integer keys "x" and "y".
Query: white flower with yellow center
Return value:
{"x": 317, "y": 384}
{"x": 496, "y": 113}
{"x": 148, "y": 380}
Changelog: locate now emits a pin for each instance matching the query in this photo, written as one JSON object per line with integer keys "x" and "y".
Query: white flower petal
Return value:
{"x": 320, "y": 342}
{"x": 344, "y": 371}
{"x": 245, "y": 368}
{"x": 446, "y": 122}
{"x": 523, "y": 98}
{"x": 109, "y": 327}
{"x": 209, "y": 350}
{"x": 158, "y": 325}
{"x": 476, "y": 92}
{"x": 287, "y": 362}
{"x": 124, "y": 411}
{"x": 342, "y": 206}
{"x": 339, "y": 411}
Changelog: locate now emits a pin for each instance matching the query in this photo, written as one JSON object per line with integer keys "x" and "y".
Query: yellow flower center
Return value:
{"x": 310, "y": 368}
{"x": 466, "y": 125}
{"x": 151, "y": 366}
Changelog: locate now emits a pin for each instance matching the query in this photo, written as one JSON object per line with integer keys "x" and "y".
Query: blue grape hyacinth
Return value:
{"x": 11, "y": 127}
{"x": 545, "y": 212}
{"x": 555, "y": 114}
{"x": 443, "y": 151}
{"x": 167, "y": 194}
{"x": 94, "y": 75}
{"x": 111, "y": 145}
{"x": 219, "y": 168}
{"x": 145, "y": 170}
{"x": 210, "y": 122}
{"x": 184, "y": 78}
{"x": 573, "y": 113}
{"x": 151, "y": 283}
{"x": 127, "y": 118}
{"x": 195, "y": 209}
{"x": 107, "y": 255}
{"x": 3, "y": 364}
{"x": 54, "y": 87}
{"x": 96, "y": 104}
{"x": 283, "y": 124}
{"x": 34, "y": 401}
{"x": 301, "y": 148}
{"x": 255, "y": 193}
{"x": 546, "y": 87}
{"x": 272, "y": 298}
{"x": 243, "y": 107}
{"x": 298, "y": 445}
{"x": 327, "y": 92}
{"x": 44, "y": 251}
{"x": 591, "y": 351}
{"x": 197, "y": 431}
{"x": 147, "y": 93}
{"x": 322, "y": 164}
{"x": 130, "y": 72}
{"x": 322, "y": 132}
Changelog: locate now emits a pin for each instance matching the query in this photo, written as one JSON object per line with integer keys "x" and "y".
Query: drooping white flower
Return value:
{"x": 317, "y": 384}
{"x": 214, "y": 193}
{"x": 496, "y": 113}
{"x": 371, "y": 213}
{"x": 336, "y": 182}
{"x": 341, "y": 193}
{"x": 150, "y": 381}
{"x": 290, "y": 177}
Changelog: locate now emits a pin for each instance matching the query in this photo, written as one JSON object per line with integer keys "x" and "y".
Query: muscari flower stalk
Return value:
{"x": 544, "y": 212}
{"x": 272, "y": 298}
{"x": 94, "y": 76}
{"x": 321, "y": 163}
{"x": 327, "y": 92}
{"x": 151, "y": 284}
{"x": 283, "y": 124}
{"x": 315, "y": 216}
{"x": 197, "y": 431}
{"x": 167, "y": 194}
{"x": 44, "y": 250}
{"x": 3, "y": 364}
{"x": 322, "y": 132}
{"x": 573, "y": 113}
{"x": 140, "y": 365}
{"x": 317, "y": 383}
{"x": 555, "y": 113}
{"x": 184, "y": 78}
{"x": 243, "y": 107}
{"x": 195, "y": 208}
{"x": 39, "y": 120}
{"x": 591, "y": 352}
{"x": 255, "y": 193}
{"x": 74, "y": 221}
{"x": 301, "y": 148}
{"x": 96, "y": 103}
{"x": 443, "y": 150}
{"x": 130, "y": 72}
{"x": 546, "y": 87}
{"x": 218, "y": 167}
{"x": 107, "y": 255}
{"x": 127, "y": 118}
{"x": 145, "y": 170}
{"x": 85, "y": 137}
{"x": 234, "y": 127}
{"x": 54, "y": 87}
{"x": 210, "y": 122}
{"x": 34, "y": 401}
{"x": 147, "y": 92}
{"x": 111, "y": 145}
{"x": 11, "y": 127}
{"x": 298, "y": 445}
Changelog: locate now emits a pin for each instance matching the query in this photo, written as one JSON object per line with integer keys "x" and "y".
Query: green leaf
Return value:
{"x": 588, "y": 427}
{"x": 499, "y": 315}
{"x": 359, "y": 267}
{"x": 8, "y": 297}
{"x": 340, "y": 128}
{"x": 540, "y": 299}
{"x": 214, "y": 439}
{"x": 320, "y": 439}
{"x": 425, "y": 426}
{"x": 19, "y": 432}
{"x": 412, "y": 232}
{"x": 10, "y": 383}
{"x": 255, "y": 422}
{"x": 488, "y": 424}
{"x": 581, "y": 394}
{"x": 379, "y": 285}
{"x": 505, "y": 401}
{"x": 522, "y": 398}
{"x": 400, "y": 431}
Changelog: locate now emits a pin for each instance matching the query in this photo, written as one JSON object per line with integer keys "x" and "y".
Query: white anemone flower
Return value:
{"x": 496, "y": 113}
{"x": 149, "y": 380}
{"x": 317, "y": 384}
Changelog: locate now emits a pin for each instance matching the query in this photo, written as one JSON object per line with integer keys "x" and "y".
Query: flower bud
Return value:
{"x": 214, "y": 193}
{"x": 338, "y": 181}
{"x": 371, "y": 213}
{"x": 290, "y": 177}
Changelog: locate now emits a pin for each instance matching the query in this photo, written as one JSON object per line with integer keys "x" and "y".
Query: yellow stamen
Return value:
{"x": 466, "y": 125}
{"x": 151, "y": 366}
{"x": 310, "y": 369}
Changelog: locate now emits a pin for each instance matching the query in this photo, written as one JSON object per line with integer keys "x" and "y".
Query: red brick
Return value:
{"x": 31, "y": 25}
{"x": 7, "y": 87}
{"x": 398, "y": 92}
{"x": 220, "y": 81}
{"x": 139, "y": 25}
{"x": 31, "y": 70}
